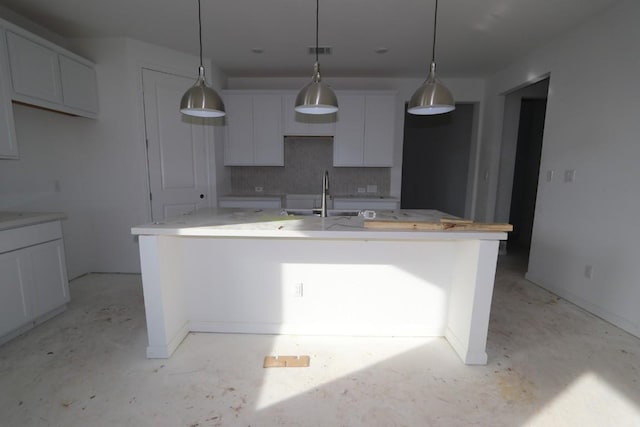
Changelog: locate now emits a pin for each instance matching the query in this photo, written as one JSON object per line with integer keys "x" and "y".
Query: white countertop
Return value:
{"x": 260, "y": 223}
{"x": 10, "y": 220}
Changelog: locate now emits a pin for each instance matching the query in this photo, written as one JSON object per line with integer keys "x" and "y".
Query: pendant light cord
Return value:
{"x": 200, "y": 30}
{"x": 317, "y": 25}
{"x": 435, "y": 21}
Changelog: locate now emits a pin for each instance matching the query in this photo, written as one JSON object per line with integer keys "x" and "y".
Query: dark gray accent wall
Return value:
{"x": 435, "y": 160}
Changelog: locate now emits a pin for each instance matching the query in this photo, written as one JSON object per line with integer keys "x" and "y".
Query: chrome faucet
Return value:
{"x": 325, "y": 192}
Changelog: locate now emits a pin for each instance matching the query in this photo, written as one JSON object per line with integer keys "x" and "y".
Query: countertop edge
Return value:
{"x": 26, "y": 219}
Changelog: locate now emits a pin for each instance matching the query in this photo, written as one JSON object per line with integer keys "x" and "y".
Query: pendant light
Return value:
{"x": 432, "y": 97}
{"x": 200, "y": 100}
{"x": 316, "y": 97}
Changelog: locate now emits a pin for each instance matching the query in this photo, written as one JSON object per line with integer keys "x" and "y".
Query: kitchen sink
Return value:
{"x": 316, "y": 212}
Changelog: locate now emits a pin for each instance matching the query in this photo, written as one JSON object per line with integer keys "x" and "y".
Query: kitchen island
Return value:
{"x": 258, "y": 271}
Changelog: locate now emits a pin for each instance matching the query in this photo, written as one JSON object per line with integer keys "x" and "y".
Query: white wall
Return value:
{"x": 100, "y": 165}
{"x": 591, "y": 126}
{"x": 464, "y": 90}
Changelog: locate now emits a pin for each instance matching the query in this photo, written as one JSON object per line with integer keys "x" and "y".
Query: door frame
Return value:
{"x": 210, "y": 134}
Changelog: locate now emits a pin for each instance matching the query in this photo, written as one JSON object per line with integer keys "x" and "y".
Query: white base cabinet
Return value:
{"x": 33, "y": 277}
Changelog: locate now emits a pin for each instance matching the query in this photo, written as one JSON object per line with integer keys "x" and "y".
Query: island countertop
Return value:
{"x": 267, "y": 223}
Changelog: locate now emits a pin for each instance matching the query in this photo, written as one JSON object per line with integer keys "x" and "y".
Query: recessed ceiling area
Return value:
{"x": 475, "y": 38}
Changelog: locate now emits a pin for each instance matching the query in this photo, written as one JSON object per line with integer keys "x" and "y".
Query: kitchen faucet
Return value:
{"x": 325, "y": 192}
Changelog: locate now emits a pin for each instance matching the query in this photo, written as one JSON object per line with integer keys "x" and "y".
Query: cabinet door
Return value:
{"x": 8, "y": 142}
{"x": 268, "y": 140}
{"x": 348, "y": 144}
{"x": 35, "y": 71}
{"x": 15, "y": 284}
{"x": 79, "y": 87}
{"x": 379, "y": 130}
{"x": 239, "y": 119}
{"x": 50, "y": 283}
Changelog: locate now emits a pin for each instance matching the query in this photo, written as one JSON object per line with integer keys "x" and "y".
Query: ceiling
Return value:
{"x": 475, "y": 37}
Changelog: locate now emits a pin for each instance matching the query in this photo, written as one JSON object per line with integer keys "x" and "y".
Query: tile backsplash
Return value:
{"x": 306, "y": 159}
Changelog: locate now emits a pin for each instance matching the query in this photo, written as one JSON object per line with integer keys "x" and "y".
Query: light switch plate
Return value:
{"x": 569, "y": 175}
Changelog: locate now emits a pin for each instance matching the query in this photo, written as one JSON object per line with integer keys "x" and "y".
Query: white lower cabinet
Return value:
{"x": 15, "y": 309}
{"x": 33, "y": 279}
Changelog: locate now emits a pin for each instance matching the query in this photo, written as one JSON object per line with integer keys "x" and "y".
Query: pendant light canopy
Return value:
{"x": 432, "y": 97}
{"x": 316, "y": 97}
{"x": 200, "y": 100}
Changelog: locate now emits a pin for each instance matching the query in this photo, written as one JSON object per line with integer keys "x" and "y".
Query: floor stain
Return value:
{"x": 515, "y": 387}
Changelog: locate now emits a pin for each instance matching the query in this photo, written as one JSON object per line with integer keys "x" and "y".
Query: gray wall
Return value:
{"x": 435, "y": 163}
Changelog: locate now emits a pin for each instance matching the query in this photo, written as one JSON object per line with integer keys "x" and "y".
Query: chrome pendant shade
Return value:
{"x": 432, "y": 97}
{"x": 316, "y": 97}
{"x": 200, "y": 100}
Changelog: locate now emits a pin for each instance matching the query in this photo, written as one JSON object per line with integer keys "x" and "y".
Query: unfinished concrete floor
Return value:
{"x": 550, "y": 364}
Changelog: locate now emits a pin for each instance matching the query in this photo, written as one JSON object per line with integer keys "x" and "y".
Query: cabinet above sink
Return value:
{"x": 363, "y": 129}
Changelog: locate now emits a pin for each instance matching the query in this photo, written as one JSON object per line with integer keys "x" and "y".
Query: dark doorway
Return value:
{"x": 435, "y": 160}
{"x": 526, "y": 172}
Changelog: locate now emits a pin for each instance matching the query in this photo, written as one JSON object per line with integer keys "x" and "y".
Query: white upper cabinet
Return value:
{"x": 365, "y": 129}
{"x": 254, "y": 129}
{"x": 8, "y": 142}
{"x": 35, "y": 71}
{"x": 79, "y": 85}
{"x": 46, "y": 75}
{"x": 298, "y": 124}
{"x": 348, "y": 144}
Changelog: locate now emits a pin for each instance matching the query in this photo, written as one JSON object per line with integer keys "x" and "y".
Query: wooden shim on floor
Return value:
{"x": 286, "y": 361}
{"x": 447, "y": 225}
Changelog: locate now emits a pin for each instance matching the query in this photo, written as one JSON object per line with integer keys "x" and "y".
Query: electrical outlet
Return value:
{"x": 569, "y": 175}
{"x": 258, "y": 189}
{"x": 372, "y": 188}
{"x": 298, "y": 290}
{"x": 550, "y": 175}
{"x": 362, "y": 190}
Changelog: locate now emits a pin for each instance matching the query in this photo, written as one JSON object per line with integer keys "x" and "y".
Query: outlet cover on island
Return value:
{"x": 361, "y": 190}
{"x": 372, "y": 188}
{"x": 259, "y": 189}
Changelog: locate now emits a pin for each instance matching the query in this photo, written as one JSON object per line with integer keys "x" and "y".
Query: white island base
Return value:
{"x": 315, "y": 276}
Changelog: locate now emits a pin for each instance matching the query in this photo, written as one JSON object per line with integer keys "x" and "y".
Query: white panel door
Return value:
{"x": 177, "y": 149}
